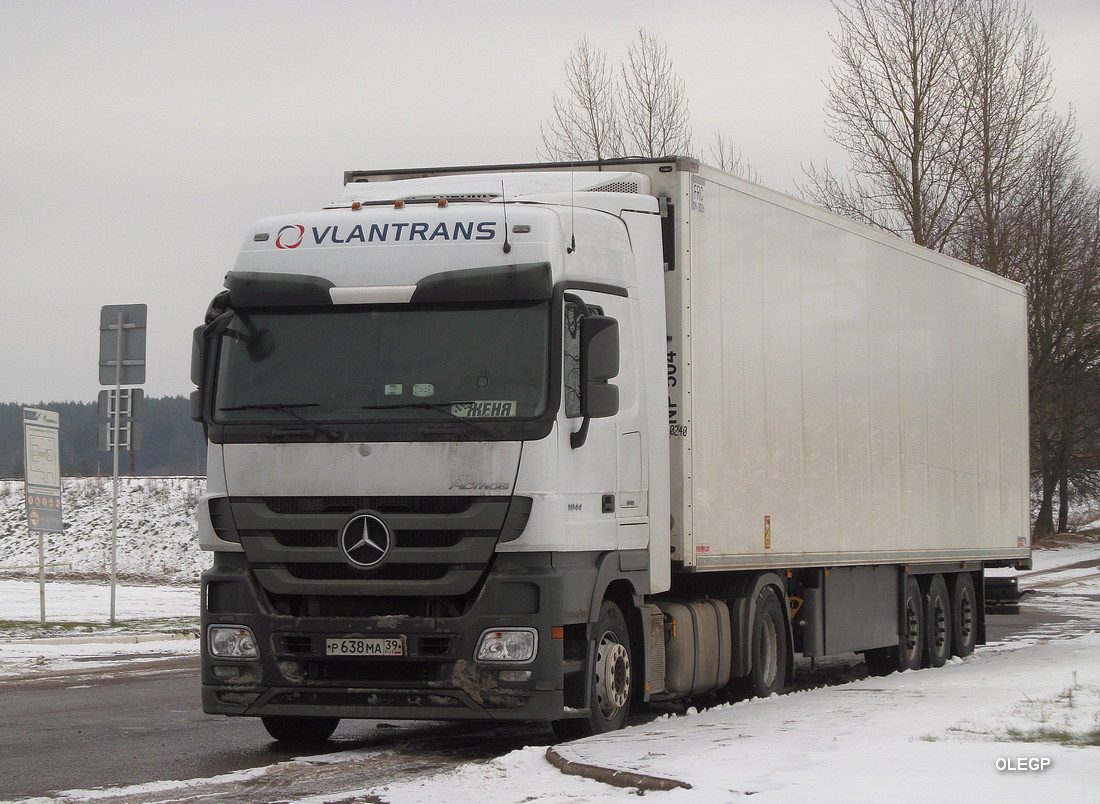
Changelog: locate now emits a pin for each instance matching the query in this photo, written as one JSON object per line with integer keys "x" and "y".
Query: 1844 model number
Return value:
{"x": 380, "y": 646}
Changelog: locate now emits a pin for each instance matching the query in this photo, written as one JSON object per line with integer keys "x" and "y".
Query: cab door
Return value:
{"x": 601, "y": 458}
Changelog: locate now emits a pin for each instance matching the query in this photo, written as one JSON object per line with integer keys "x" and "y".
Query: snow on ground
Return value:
{"x": 1018, "y": 721}
{"x": 156, "y": 603}
{"x": 157, "y": 535}
{"x": 956, "y": 733}
{"x": 78, "y": 634}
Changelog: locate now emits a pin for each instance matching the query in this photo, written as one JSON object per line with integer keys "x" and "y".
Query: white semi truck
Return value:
{"x": 543, "y": 442}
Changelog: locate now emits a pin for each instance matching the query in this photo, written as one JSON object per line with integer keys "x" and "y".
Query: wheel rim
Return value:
{"x": 939, "y": 625}
{"x": 612, "y": 675}
{"x": 966, "y": 617}
{"x": 769, "y": 651}
{"x": 912, "y": 630}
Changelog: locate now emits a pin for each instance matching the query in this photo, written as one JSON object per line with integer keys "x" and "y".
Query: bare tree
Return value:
{"x": 638, "y": 109}
{"x": 586, "y": 123}
{"x": 728, "y": 156}
{"x": 653, "y": 100}
{"x": 1008, "y": 79}
{"x": 1060, "y": 262}
{"x": 897, "y": 105}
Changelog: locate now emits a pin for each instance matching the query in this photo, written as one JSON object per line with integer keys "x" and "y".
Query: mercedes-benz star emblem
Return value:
{"x": 365, "y": 540}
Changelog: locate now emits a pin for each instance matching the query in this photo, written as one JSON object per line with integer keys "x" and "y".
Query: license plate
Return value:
{"x": 379, "y": 646}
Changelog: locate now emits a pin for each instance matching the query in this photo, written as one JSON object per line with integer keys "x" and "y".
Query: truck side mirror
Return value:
{"x": 599, "y": 363}
{"x": 196, "y": 356}
{"x": 599, "y": 359}
{"x": 195, "y": 405}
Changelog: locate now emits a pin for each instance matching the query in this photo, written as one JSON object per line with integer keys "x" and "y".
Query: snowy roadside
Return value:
{"x": 966, "y": 728}
{"x": 150, "y": 622}
{"x": 1006, "y": 725}
{"x": 157, "y": 542}
{"x": 1019, "y": 721}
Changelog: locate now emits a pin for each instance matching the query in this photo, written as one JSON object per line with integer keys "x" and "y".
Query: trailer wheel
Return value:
{"x": 610, "y": 678}
{"x": 911, "y": 645}
{"x": 937, "y": 623}
{"x": 964, "y": 615}
{"x": 294, "y": 729}
{"x": 769, "y": 646}
{"x": 906, "y": 655}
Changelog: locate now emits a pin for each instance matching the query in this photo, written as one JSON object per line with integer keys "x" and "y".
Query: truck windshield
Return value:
{"x": 425, "y": 362}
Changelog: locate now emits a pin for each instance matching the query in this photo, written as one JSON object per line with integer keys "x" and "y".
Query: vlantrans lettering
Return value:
{"x": 405, "y": 232}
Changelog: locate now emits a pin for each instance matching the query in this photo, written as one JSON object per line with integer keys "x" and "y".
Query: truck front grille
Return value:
{"x": 328, "y": 572}
{"x": 439, "y": 546}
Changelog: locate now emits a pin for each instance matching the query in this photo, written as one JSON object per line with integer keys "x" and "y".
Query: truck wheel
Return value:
{"x": 293, "y": 729}
{"x": 937, "y": 623}
{"x": 769, "y": 646}
{"x": 964, "y": 615}
{"x": 906, "y": 655}
{"x": 911, "y": 645}
{"x": 610, "y": 677}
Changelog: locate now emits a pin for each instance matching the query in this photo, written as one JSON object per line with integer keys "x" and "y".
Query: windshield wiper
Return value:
{"x": 333, "y": 435}
{"x": 442, "y": 407}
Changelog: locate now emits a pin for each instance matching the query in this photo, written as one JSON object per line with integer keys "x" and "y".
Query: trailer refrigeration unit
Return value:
{"x": 543, "y": 442}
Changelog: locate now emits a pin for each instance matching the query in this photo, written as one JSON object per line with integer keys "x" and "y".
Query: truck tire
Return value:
{"x": 610, "y": 679}
{"x": 964, "y": 615}
{"x": 769, "y": 646}
{"x": 907, "y": 654}
{"x": 294, "y": 729}
{"x": 937, "y": 623}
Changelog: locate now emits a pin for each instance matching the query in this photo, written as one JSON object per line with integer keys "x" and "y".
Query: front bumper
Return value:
{"x": 437, "y": 678}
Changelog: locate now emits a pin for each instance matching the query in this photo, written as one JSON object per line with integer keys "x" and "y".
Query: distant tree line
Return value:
{"x": 171, "y": 444}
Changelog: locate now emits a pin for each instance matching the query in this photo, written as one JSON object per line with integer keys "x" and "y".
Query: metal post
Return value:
{"x": 41, "y": 573}
{"x": 114, "y": 494}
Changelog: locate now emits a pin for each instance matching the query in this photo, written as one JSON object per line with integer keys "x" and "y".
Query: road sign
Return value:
{"x": 128, "y": 402}
{"x": 128, "y": 438}
{"x": 42, "y": 461}
{"x": 122, "y": 344}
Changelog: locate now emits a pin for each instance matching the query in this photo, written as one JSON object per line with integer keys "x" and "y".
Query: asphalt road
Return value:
{"x": 87, "y": 730}
{"x": 110, "y": 728}
{"x": 79, "y": 731}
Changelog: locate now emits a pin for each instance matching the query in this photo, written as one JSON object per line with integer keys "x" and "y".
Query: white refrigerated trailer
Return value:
{"x": 540, "y": 441}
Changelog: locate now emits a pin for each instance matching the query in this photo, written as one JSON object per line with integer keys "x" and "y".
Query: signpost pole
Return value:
{"x": 125, "y": 353}
{"x": 41, "y": 579}
{"x": 117, "y": 438}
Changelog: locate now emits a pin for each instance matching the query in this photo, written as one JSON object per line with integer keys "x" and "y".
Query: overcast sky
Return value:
{"x": 140, "y": 139}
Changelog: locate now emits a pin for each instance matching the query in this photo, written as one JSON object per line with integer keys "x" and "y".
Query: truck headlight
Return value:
{"x": 516, "y": 645}
{"x": 232, "y": 642}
